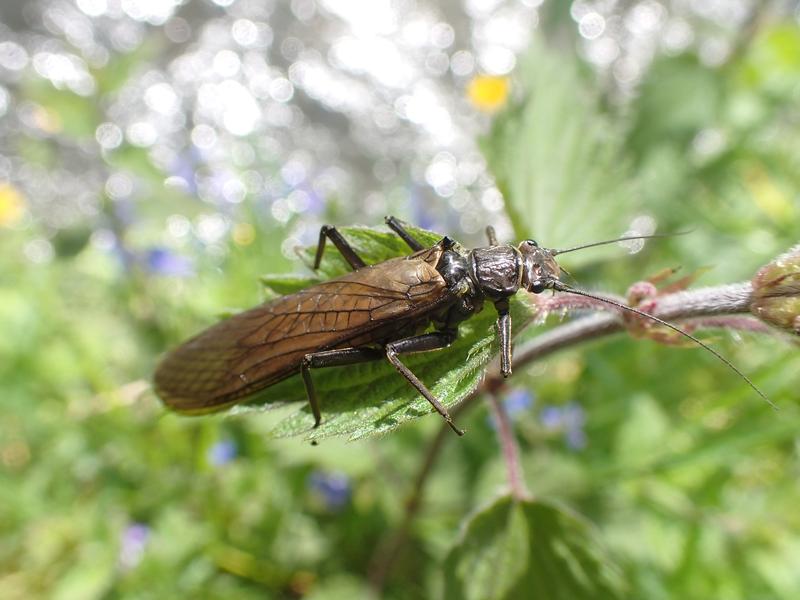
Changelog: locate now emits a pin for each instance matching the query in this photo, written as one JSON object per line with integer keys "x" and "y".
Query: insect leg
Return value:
{"x": 504, "y": 333}
{"x": 331, "y": 358}
{"x": 330, "y": 232}
{"x": 396, "y": 226}
{"x": 421, "y": 343}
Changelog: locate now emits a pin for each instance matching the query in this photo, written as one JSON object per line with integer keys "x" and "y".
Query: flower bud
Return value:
{"x": 776, "y": 292}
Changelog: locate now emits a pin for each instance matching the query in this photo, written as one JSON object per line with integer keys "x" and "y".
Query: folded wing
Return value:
{"x": 261, "y": 346}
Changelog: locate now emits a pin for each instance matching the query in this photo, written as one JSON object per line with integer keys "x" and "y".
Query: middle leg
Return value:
{"x": 422, "y": 343}
{"x": 504, "y": 335}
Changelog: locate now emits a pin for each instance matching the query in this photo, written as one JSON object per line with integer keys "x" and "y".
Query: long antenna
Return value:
{"x": 620, "y": 239}
{"x": 562, "y": 287}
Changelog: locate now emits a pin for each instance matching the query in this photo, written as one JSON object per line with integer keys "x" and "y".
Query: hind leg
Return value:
{"x": 329, "y": 232}
{"x": 331, "y": 358}
{"x": 396, "y": 226}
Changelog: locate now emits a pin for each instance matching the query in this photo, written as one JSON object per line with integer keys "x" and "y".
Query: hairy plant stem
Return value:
{"x": 684, "y": 306}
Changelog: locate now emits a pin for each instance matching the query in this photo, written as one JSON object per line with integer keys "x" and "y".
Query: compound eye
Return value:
{"x": 532, "y": 243}
{"x": 537, "y": 287}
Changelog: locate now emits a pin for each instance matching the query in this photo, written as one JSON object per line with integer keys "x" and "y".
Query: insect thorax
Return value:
{"x": 492, "y": 274}
{"x": 495, "y": 271}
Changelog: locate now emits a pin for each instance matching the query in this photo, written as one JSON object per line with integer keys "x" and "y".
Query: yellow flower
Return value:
{"x": 243, "y": 234}
{"x": 488, "y": 92}
{"x": 12, "y": 205}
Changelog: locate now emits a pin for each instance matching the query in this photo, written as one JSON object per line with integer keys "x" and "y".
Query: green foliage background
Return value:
{"x": 686, "y": 487}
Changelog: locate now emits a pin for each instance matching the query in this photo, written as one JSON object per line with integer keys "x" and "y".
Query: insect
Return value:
{"x": 376, "y": 312}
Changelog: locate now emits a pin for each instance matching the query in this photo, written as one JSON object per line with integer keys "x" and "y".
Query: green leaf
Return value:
{"x": 558, "y": 159}
{"x": 371, "y": 245}
{"x": 371, "y": 398}
{"x": 68, "y": 242}
{"x": 679, "y": 97}
{"x": 282, "y": 284}
{"x": 89, "y": 577}
{"x": 529, "y": 549}
{"x": 772, "y": 62}
{"x": 643, "y": 433}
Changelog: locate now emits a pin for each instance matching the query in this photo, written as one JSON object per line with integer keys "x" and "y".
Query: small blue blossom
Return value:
{"x": 332, "y": 487}
{"x": 222, "y": 452}
{"x": 568, "y": 419}
{"x": 132, "y": 545}
{"x": 420, "y": 210}
{"x": 518, "y": 401}
{"x": 515, "y": 404}
{"x": 162, "y": 261}
{"x": 184, "y": 168}
{"x": 315, "y": 203}
{"x": 552, "y": 417}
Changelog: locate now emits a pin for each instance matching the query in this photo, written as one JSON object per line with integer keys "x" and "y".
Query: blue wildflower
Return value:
{"x": 162, "y": 261}
{"x": 316, "y": 204}
{"x": 332, "y": 487}
{"x": 515, "y": 403}
{"x": 184, "y": 168}
{"x": 222, "y": 452}
{"x": 569, "y": 420}
{"x": 518, "y": 401}
{"x": 132, "y": 545}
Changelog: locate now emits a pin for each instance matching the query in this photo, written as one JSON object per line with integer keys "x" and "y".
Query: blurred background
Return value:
{"x": 156, "y": 157}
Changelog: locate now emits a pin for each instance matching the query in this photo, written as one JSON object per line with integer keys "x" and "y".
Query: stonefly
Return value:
{"x": 377, "y": 312}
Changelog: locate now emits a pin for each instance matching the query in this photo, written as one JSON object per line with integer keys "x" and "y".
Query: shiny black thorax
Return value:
{"x": 493, "y": 273}
{"x": 496, "y": 271}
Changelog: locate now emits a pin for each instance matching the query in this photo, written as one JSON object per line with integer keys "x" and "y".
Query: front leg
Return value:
{"x": 504, "y": 334}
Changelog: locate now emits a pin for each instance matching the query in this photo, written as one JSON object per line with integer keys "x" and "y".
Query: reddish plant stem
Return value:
{"x": 508, "y": 444}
